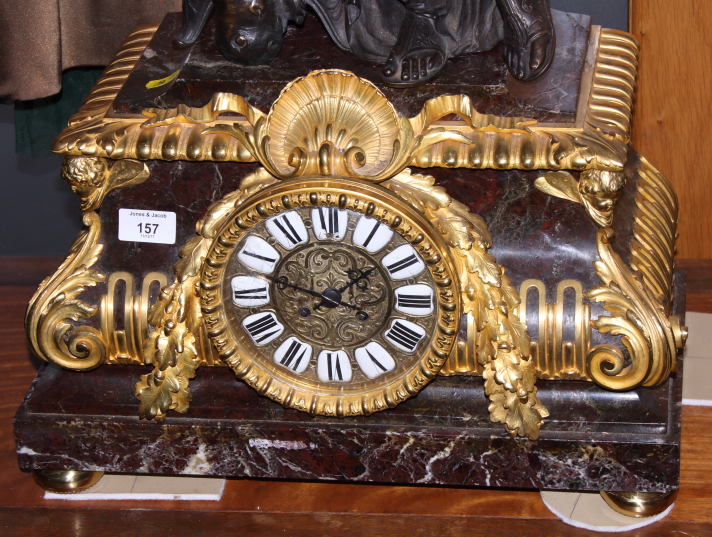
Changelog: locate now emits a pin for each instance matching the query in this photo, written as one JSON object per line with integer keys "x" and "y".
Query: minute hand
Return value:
{"x": 360, "y": 277}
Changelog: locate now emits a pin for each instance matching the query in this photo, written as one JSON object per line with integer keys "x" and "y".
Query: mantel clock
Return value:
{"x": 445, "y": 273}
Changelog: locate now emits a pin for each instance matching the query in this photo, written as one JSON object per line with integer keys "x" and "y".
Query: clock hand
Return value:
{"x": 352, "y": 306}
{"x": 325, "y": 299}
{"x": 282, "y": 282}
{"x": 361, "y": 276}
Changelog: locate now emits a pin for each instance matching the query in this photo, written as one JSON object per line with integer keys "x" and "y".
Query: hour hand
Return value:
{"x": 330, "y": 298}
{"x": 356, "y": 275}
{"x": 282, "y": 282}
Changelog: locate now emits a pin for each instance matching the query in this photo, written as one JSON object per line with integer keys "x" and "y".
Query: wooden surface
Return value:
{"x": 673, "y": 110}
{"x": 254, "y": 507}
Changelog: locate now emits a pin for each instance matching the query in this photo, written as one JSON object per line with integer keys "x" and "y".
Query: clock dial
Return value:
{"x": 331, "y": 305}
{"x": 331, "y": 292}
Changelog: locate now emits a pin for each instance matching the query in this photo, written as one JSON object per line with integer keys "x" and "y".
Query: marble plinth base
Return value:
{"x": 594, "y": 439}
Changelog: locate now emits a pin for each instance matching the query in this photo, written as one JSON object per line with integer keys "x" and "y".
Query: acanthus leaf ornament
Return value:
{"x": 487, "y": 294}
{"x": 519, "y": 409}
{"x": 56, "y": 302}
{"x": 171, "y": 347}
{"x": 638, "y": 317}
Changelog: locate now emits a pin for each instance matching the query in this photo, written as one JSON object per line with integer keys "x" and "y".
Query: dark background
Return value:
{"x": 39, "y": 214}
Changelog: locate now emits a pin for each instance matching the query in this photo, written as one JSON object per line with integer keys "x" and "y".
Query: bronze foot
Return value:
{"x": 418, "y": 55}
{"x": 195, "y": 13}
{"x": 529, "y": 38}
{"x": 639, "y": 504}
{"x": 65, "y": 481}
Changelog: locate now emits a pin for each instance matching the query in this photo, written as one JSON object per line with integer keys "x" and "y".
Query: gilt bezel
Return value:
{"x": 358, "y": 196}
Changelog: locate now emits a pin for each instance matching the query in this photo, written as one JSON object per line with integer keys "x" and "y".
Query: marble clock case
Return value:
{"x": 583, "y": 226}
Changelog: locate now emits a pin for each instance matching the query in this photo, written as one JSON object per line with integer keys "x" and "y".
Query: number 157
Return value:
{"x": 146, "y": 228}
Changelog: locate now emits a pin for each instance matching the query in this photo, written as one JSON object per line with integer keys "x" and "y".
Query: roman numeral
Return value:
{"x": 294, "y": 355}
{"x": 370, "y": 235}
{"x": 334, "y": 366}
{"x": 291, "y": 234}
{"x": 403, "y": 263}
{"x": 414, "y": 301}
{"x": 404, "y": 336}
{"x": 251, "y": 294}
{"x": 288, "y": 228}
{"x": 258, "y": 327}
{"x": 249, "y": 291}
{"x": 257, "y": 256}
{"x": 330, "y": 221}
{"x": 375, "y": 362}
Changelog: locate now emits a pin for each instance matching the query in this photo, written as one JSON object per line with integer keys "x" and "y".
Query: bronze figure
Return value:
{"x": 411, "y": 38}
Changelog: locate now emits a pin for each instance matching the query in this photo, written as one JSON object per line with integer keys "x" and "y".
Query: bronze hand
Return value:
{"x": 329, "y": 298}
{"x": 359, "y": 275}
{"x": 282, "y": 283}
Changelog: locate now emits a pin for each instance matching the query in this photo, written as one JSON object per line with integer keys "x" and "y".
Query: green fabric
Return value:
{"x": 39, "y": 122}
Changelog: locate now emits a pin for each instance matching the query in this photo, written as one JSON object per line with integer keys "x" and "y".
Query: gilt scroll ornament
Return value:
{"x": 55, "y": 306}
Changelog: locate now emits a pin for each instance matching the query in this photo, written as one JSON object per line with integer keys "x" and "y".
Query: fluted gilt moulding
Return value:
{"x": 596, "y": 140}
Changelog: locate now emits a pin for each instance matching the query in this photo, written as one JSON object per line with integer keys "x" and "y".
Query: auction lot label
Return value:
{"x": 142, "y": 225}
